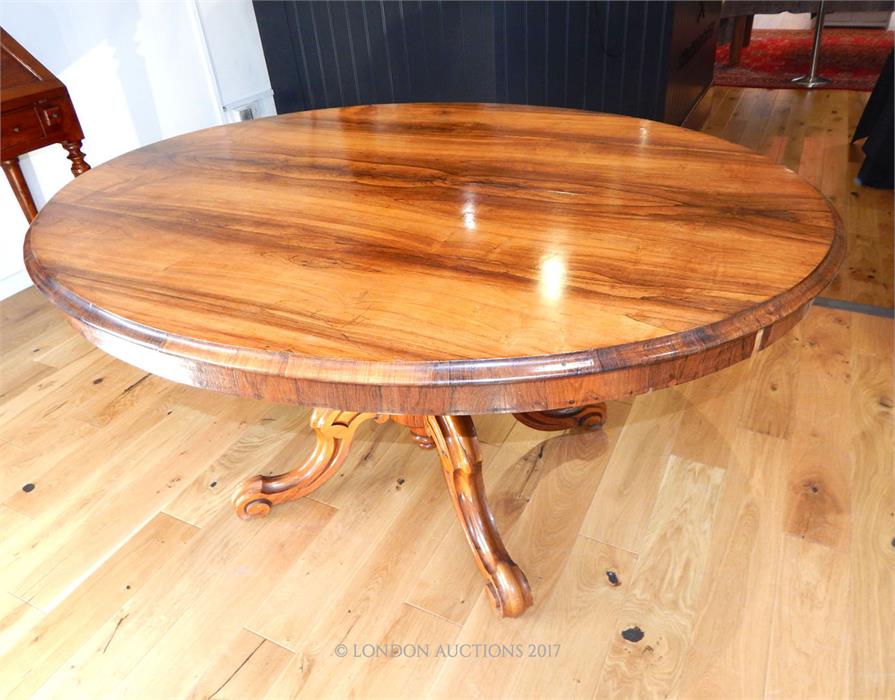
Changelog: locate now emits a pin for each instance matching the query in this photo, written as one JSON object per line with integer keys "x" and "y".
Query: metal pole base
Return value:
{"x": 811, "y": 81}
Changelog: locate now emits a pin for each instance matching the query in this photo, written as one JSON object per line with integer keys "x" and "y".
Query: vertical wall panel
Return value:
{"x": 614, "y": 56}
{"x": 555, "y": 53}
{"x": 576, "y": 46}
{"x": 633, "y": 60}
{"x": 286, "y": 77}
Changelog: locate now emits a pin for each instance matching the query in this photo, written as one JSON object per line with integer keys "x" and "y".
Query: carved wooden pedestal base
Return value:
{"x": 454, "y": 439}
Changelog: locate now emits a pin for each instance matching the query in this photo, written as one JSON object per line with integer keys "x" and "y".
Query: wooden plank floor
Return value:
{"x": 730, "y": 538}
{"x": 808, "y": 131}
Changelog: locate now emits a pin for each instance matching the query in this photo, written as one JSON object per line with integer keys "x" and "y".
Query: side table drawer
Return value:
{"x": 20, "y": 126}
{"x": 52, "y": 116}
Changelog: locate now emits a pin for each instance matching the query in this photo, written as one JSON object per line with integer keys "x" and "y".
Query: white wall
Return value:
{"x": 137, "y": 71}
{"x": 234, "y": 46}
{"x": 802, "y": 20}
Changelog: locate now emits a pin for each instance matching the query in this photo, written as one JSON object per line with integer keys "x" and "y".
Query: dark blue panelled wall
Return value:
{"x": 648, "y": 59}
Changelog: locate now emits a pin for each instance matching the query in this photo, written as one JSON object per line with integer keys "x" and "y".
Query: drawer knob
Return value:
{"x": 17, "y": 129}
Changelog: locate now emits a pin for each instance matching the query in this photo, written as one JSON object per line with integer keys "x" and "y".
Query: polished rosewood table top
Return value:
{"x": 423, "y": 263}
{"x": 482, "y": 255}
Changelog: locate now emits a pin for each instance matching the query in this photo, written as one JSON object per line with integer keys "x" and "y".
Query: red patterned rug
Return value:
{"x": 851, "y": 58}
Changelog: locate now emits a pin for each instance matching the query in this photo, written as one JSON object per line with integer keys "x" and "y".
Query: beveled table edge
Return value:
{"x": 443, "y": 387}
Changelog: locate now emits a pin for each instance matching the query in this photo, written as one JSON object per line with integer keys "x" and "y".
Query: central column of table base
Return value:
{"x": 454, "y": 439}
{"x": 591, "y": 417}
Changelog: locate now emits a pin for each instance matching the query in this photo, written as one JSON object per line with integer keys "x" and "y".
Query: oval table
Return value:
{"x": 428, "y": 262}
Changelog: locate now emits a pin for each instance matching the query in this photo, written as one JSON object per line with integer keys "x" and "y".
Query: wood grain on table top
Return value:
{"x": 427, "y": 243}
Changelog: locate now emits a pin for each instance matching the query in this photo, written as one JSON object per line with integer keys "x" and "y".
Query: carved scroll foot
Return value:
{"x": 590, "y": 417}
{"x": 334, "y": 430}
{"x": 76, "y": 156}
{"x": 457, "y": 446}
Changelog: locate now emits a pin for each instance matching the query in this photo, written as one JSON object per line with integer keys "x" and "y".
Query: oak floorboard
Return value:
{"x": 583, "y": 604}
{"x": 40, "y": 412}
{"x": 836, "y": 129}
{"x": 107, "y": 411}
{"x": 619, "y": 513}
{"x": 723, "y": 103}
{"x": 872, "y": 546}
{"x": 178, "y": 659}
{"x": 655, "y": 626}
{"x": 809, "y": 648}
{"x": 62, "y": 632}
{"x": 26, "y": 374}
{"x": 818, "y": 500}
{"x": 246, "y": 668}
{"x": 866, "y": 274}
{"x": 14, "y": 469}
{"x": 25, "y": 319}
{"x": 57, "y": 355}
{"x": 16, "y": 619}
{"x": 583, "y": 607}
{"x": 408, "y": 672}
{"x": 372, "y": 596}
{"x": 769, "y": 395}
{"x": 77, "y": 538}
{"x": 70, "y": 470}
{"x": 336, "y": 570}
{"x": 796, "y": 128}
{"x": 36, "y": 344}
{"x": 710, "y": 414}
{"x": 14, "y": 309}
{"x": 208, "y": 576}
{"x": 758, "y": 121}
{"x": 775, "y": 134}
{"x": 740, "y": 121}
{"x": 11, "y": 520}
{"x": 728, "y": 652}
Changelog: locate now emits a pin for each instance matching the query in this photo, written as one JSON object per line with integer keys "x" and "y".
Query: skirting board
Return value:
{"x": 13, "y": 283}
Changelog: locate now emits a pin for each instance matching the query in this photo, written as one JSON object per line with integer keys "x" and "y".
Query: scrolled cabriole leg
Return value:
{"x": 334, "y": 430}
{"x": 455, "y": 441}
{"x": 590, "y": 417}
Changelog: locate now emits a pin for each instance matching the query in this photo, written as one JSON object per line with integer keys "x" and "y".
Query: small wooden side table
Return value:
{"x": 35, "y": 111}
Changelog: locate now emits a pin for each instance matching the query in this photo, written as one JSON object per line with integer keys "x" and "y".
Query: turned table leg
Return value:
{"x": 76, "y": 156}
{"x": 20, "y": 188}
{"x": 590, "y": 417}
